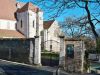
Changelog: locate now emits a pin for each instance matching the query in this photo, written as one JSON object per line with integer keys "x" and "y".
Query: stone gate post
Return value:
{"x": 31, "y": 51}
{"x": 62, "y": 52}
{"x": 37, "y": 54}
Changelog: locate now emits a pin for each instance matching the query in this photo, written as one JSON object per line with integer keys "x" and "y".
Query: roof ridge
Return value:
{"x": 28, "y": 6}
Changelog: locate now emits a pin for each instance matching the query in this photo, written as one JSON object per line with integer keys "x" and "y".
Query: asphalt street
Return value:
{"x": 13, "y": 68}
{"x": 9, "y": 68}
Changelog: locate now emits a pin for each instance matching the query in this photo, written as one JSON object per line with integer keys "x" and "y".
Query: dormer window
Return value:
{"x": 21, "y": 24}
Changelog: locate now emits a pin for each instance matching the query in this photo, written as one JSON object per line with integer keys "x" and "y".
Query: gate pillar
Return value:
{"x": 31, "y": 53}
{"x": 62, "y": 52}
{"x": 37, "y": 53}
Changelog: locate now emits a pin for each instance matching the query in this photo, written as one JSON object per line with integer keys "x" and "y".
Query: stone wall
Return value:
{"x": 15, "y": 50}
{"x": 75, "y": 64}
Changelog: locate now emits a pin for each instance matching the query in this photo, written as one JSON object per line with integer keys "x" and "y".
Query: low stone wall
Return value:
{"x": 14, "y": 50}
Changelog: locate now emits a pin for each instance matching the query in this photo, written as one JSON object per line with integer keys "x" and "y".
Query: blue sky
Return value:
{"x": 23, "y": 0}
{"x": 76, "y": 12}
{"x": 70, "y": 13}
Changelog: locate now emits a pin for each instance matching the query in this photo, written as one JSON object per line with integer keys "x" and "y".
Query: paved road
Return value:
{"x": 10, "y": 68}
{"x": 21, "y": 70}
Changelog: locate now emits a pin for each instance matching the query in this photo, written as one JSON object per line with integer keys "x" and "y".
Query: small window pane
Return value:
{"x": 70, "y": 50}
{"x": 33, "y": 24}
{"x": 21, "y": 23}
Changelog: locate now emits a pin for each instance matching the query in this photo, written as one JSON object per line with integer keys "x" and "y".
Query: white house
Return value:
{"x": 51, "y": 36}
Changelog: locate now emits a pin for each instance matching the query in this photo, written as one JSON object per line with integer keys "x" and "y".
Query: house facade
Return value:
{"x": 51, "y": 41}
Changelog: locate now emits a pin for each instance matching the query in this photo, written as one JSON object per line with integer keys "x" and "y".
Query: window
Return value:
{"x": 42, "y": 33}
{"x": 21, "y": 23}
{"x": 40, "y": 18}
{"x": 70, "y": 50}
{"x": 33, "y": 24}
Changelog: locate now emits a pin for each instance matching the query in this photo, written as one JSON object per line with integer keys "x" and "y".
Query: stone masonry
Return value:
{"x": 74, "y": 64}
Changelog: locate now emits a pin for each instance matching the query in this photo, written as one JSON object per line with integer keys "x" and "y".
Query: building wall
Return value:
{"x": 29, "y": 23}
{"x": 24, "y": 18}
{"x": 7, "y": 24}
{"x": 32, "y": 27}
{"x": 32, "y": 17}
{"x": 40, "y": 15}
{"x": 52, "y": 34}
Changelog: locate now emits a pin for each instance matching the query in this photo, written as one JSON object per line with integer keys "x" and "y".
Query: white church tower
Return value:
{"x": 30, "y": 24}
{"x": 30, "y": 19}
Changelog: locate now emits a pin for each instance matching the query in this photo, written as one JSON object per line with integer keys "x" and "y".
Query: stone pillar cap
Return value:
{"x": 36, "y": 36}
{"x": 61, "y": 35}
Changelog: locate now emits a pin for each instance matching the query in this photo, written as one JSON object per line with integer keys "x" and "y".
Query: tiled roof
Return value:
{"x": 7, "y": 9}
{"x": 10, "y": 34}
{"x": 47, "y": 24}
{"x": 28, "y": 6}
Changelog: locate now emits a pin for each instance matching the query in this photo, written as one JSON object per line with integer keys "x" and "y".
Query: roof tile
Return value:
{"x": 7, "y": 9}
{"x": 47, "y": 24}
{"x": 10, "y": 34}
{"x": 28, "y": 6}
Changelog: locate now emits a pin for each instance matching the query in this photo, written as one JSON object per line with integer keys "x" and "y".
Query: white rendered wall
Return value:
{"x": 52, "y": 34}
{"x": 32, "y": 29}
{"x": 28, "y": 17}
{"x": 7, "y": 24}
{"x": 32, "y": 17}
{"x": 40, "y": 15}
{"x": 24, "y": 17}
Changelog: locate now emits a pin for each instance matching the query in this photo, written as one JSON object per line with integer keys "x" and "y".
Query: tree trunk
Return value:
{"x": 92, "y": 26}
{"x": 90, "y": 22}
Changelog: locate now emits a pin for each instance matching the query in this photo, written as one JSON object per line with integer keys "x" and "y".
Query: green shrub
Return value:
{"x": 50, "y": 55}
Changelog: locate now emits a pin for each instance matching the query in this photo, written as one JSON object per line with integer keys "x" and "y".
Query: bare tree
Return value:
{"x": 76, "y": 27}
{"x": 58, "y": 7}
